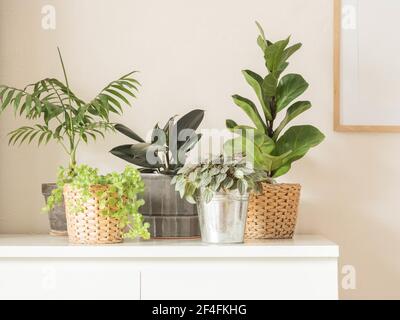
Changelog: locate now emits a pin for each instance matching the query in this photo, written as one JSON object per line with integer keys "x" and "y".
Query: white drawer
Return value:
{"x": 68, "y": 279}
{"x": 256, "y": 279}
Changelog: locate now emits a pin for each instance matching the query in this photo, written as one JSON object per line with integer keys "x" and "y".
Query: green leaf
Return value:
{"x": 251, "y": 110}
{"x": 42, "y": 136}
{"x": 128, "y": 132}
{"x": 137, "y": 154}
{"x": 207, "y": 195}
{"x": 274, "y": 55}
{"x": 112, "y": 100}
{"x": 119, "y": 95}
{"x": 191, "y": 121}
{"x": 17, "y": 101}
{"x": 296, "y": 142}
{"x": 230, "y": 124}
{"x": 256, "y": 82}
{"x": 262, "y": 33}
{"x": 270, "y": 84}
{"x": 255, "y": 147}
{"x": 33, "y": 136}
{"x": 290, "y": 87}
{"x": 261, "y": 43}
{"x": 7, "y": 100}
{"x": 282, "y": 171}
{"x": 290, "y": 51}
{"x": 293, "y": 111}
{"x": 123, "y": 89}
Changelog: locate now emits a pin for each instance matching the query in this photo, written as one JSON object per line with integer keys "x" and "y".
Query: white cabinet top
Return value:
{"x": 43, "y": 246}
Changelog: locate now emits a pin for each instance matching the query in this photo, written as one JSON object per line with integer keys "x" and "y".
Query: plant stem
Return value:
{"x": 71, "y": 135}
{"x": 273, "y": 114}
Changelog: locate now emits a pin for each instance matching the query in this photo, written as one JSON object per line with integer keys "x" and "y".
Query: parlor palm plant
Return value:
{"x": 61, "y": 115}
{"x": 66, "y": 119}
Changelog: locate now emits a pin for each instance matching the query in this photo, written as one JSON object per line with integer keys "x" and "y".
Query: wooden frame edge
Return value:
{"x": 337, "y": 78}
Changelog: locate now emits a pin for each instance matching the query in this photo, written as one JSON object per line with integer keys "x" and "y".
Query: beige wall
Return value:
{"x": 190, "y": 54}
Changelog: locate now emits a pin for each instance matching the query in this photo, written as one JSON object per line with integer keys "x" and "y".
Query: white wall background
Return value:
{"x": 190, "y": 54}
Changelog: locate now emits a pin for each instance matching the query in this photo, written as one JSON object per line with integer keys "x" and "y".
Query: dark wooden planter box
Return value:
{"x": 169, "y": 215}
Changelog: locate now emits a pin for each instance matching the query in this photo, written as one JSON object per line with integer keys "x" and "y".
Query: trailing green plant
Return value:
{"x": 202, "y": 181}
{"x": 62, "y": 116}
{"x": 274, "y": 149}
{"x": 118, "y": 199}
{"x": 166, "y": 153}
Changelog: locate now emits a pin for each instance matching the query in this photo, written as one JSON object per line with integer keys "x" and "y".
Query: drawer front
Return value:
{"x": 68, "y": 279}
{"x": 241, "y": 280}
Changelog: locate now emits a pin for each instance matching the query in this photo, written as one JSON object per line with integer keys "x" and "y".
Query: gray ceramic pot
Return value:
{"x": 57, "y": 218}
{"x": 168, "y": 214}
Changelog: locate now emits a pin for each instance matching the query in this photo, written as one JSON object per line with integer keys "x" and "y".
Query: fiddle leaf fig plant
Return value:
{"x": 202, "y": 181}
{"x": 274, "y": 148}
{"x": 62, "y": 116}
{"x": 166, "y": 153}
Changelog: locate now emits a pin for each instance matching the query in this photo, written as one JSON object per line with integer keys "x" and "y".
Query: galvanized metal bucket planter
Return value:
{"x": 57, "y": 217}
{"x": 223, "y": 220}
{"x": 169, "y": 215}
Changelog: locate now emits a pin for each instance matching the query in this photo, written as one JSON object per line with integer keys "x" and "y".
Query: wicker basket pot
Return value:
{"x": 272, "y": 214}
{"x": 90, "y": 226}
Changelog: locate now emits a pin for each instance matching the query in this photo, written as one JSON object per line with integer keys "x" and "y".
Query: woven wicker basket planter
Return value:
{"x": 90, "y": 226}
{"x": 273, "y": 213}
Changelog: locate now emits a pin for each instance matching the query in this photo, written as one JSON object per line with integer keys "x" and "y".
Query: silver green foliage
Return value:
{"x": 202, "y": 181}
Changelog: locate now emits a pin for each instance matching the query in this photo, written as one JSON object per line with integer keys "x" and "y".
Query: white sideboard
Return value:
{"x": 44, "y": 267}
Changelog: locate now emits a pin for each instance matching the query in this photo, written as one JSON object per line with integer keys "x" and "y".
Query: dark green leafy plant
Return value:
{"x": 61, "y": 115}
{"x": 274, "y": 149}
{"x": 166, "y": 153}
{"x": 203, "y": 181}
{"x": 119, "y": 199}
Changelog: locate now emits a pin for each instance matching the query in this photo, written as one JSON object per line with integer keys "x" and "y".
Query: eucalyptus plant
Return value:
{"x": 166, "y": 153}
{"x": 275, "y": 149}
{"x": 202, "y": 181}
{"x": 62, "y": 116}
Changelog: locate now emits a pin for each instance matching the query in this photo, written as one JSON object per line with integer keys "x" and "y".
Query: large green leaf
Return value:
{"x": 256, "y": 82}
{"x": 297, "y": 141}
{"x": 293, "y": 111}
{"x": 256, "y": 147}
{"x": 269, "y": 163}
{"x": 251, "y": 110}
{"x": 290, "y": 87}
{"x": 128, "y": 132}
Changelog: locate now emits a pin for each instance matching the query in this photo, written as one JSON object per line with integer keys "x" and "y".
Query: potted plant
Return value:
{"x": 272, "y": 214}
{"x": 66, "y": 119}
{"x": 220, "y": 188}
{"x": 159, "y": 160}
{"x": 99, "y": 208}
